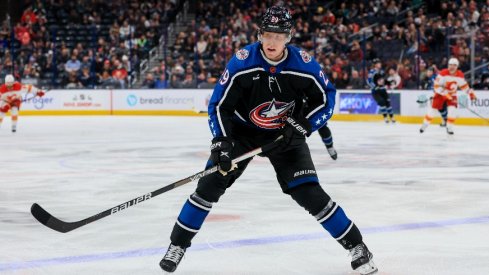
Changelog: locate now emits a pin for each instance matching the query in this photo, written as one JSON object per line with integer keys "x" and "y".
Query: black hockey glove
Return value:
{"x": 221, "y": 153}
{"x": 295, "y": 131}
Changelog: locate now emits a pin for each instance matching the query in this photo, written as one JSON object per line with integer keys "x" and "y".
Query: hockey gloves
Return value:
{"x": 295, "y": 131}
{"x": 472, "y": 95}
{"x": 221, "y": 154}
{"x": 40, "y": 93}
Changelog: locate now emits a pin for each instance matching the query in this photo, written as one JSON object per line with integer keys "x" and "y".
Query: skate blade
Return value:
{"x": 368, "y": 268}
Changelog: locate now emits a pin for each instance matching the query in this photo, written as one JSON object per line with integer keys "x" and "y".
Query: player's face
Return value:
{"x": 452, "y": 68}
{"x": 273, "y": 45}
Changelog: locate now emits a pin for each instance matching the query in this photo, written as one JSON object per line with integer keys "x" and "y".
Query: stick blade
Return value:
{"x": 49, "y": 220}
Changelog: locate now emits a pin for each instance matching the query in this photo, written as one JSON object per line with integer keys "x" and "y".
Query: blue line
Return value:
{"x": 233, "y": 244}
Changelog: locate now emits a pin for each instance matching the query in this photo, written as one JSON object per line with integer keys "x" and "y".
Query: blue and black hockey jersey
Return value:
{"x": 262, "y": 94}
{"x": 371, "y": 80}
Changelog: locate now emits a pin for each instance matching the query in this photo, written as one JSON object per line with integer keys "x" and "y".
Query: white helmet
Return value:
{"x": 9, "y": 79}
{"x": 453, "y": 61}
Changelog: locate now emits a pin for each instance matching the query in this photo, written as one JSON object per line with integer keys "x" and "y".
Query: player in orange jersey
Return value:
{"x": 11, "y": 98}
{"x": 445, "y": 87}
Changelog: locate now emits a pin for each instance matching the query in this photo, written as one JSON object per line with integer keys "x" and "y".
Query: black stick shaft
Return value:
{"x": 61, "y": 226}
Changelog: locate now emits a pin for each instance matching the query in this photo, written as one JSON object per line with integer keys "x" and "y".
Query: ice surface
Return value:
{"x": 421, "y": 200}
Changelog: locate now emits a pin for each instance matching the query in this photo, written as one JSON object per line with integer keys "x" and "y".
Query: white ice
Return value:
{"x": 421, "y": 200}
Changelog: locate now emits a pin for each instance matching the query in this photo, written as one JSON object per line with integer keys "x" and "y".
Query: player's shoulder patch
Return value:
{"x": 306, "y": 57}
{"x": 242, "y": 54}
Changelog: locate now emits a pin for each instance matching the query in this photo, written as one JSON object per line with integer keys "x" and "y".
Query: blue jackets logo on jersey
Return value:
{"x": 271, "y": 114}
{"x": 242, "y": 54}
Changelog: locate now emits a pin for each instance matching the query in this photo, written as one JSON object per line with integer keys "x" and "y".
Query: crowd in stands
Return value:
{"x": 412, "y": 38}
{"x": 100, "y": 44}
{"x": 83, "y": 43}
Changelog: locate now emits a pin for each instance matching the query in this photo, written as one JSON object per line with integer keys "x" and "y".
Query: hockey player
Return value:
{"x": 11, "y": 98}
{"x": 377, "y": 82}
{"x": 258, "y": 98}
{"x": 327, "y": 139}
{"x": 445, "y": 87}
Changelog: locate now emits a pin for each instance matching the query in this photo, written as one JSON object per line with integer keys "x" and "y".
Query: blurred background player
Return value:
{"x": 258, "y": 98}
{"x": 445, "y": 87}
{"x": 377, "y": 82}
{"x": 11, "y": 98}
{"x": 428, "y": 83}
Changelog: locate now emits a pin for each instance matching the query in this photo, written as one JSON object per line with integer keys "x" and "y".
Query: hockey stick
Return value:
{"x": 474, "y": 112}
{"x": 61, "y": 226}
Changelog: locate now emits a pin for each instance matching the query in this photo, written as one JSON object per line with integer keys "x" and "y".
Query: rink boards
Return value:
{"x": 354, "y": 105}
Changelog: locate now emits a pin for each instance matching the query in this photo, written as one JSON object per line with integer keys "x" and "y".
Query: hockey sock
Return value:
{"x": 444, "y": 114}
{"x": 190, "y": 220}
{"x": 326, "y": 136}
{"x": 339, "y": 226}
{"x": 390, "y": 111}
{"x": 382, "y": 111}
{"x": 312, "y": 197}
{"x": 15, "y": 117}
{"x": 328, "y": 142}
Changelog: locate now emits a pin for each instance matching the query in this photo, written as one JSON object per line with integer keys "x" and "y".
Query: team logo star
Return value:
{"x": 273, "y": 111}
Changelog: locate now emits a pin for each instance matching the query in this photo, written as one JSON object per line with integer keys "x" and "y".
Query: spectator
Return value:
{"x": 149, "y": 81}
{"x": 356, "y": 82}
{"x": 86, "y": 79}
{"x": 119, "y": 74}
{"x": 106, "y": 81}
{"x": 208, "y": 84}
{"x": 162, "y": 82}
{"x": 393, "y": 79}
{"x": 73, "y": 65}
{"x": 72, "y": 82}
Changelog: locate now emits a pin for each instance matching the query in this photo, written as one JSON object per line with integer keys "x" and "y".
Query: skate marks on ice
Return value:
{"x": 418, "y": 188}
{"x": 264, "y": 241}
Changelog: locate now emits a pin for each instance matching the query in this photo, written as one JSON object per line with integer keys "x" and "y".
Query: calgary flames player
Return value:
{"x": 11, "y": 98}
{"x": 445, "y": 87}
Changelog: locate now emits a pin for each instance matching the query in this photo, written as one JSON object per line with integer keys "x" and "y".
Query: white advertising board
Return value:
{"x": 69, "y": 100}
{"x": 183, "y": 100}
{"x": 411, "y": 107}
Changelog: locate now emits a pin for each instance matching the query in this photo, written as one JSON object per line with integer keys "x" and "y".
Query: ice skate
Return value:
{"x": 172, "y": 258}
{"x": 362, "y": 260}
{"x": 449, "y": 129}
{"x": 386, "y": 120}
{"x": 332, "y": 152}
{"x": 423, "y": 128}
{"x": 443, "y": 123}
{"x": 393, "y": 120}
{"x": 14, "y": 129}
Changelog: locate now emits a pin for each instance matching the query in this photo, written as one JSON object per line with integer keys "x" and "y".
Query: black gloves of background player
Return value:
{"x": 295, "y": 131}
{"x": 221, "y": 153}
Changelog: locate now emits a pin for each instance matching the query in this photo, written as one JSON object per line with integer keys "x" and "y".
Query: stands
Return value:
{"x": 344, "y": 36}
